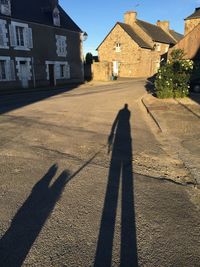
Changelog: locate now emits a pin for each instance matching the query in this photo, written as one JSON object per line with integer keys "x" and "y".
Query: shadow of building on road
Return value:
{"x": 120, "y": 142}
{"x": 30, "y": 218}
{"x": 16, "y": 100}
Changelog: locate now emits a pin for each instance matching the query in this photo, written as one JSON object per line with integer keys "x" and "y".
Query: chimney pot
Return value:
{"x": 163, "y": 24}
{"x": 130, "y": 17}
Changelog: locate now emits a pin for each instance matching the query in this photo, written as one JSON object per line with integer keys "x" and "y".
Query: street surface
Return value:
{"x": 86, "y": 180}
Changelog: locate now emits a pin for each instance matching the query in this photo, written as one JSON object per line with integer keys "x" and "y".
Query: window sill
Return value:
{"x": 4, "y": 47}
{"x": 21, "y": 48}
{"x": 6, "y": 80}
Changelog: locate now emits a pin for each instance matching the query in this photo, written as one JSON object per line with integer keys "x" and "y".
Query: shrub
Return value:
{"x": 173, "y": 77}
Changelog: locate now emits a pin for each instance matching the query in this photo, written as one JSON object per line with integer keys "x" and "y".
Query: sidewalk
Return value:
{"x": 178, "y": 120}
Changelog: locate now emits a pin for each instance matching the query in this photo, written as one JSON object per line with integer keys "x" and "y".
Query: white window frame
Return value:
{"x": 158, "y": 47}
{"x": 118, "y": 47}
{"x": 57, "y": 69}
{"x": 27, "y": 36}
{"x": 28, "y": 65}
{"x": 3, "y": 34}
{"x": 5, "y": 9}
{"x": 6, "y": 78}
{"x": 61, "y": 45}
{"x": 62, "y": 71}
{"x": 9, "y": 69}
{"x": 56, "y": 17}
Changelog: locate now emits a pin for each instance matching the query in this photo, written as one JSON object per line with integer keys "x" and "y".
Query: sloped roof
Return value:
{"x": 177, "y": 36}
{"x": 155, "y": 32}
{"x": 128, "y": 29}
{"x": 194, "y": 15}
{"x": 38, "y": 11}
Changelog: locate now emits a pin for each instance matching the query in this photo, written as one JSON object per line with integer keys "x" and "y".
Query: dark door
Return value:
{"x": 51, "y": 75}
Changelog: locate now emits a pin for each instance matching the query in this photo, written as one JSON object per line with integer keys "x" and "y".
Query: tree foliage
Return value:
{"x": 173, "y": 77}
{"x": 89, "y": 58}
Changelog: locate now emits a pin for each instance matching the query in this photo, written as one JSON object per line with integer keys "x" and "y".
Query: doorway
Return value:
{"x": 24, "y": 74}
{"x": 51, "y": 75}
{"x": 115, "y": 68}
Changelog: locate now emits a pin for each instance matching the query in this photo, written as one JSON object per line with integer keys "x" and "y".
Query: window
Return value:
{"x": 118, "y": 47}
{"x": 157, "y": 47}
{"x": 5, "y": 7}
{"x": 20, "y": 36}
{"x": 61, "y": 45}
{"x": 56, "y": 17}
{"x": 7, "y": 69}
{"x": 62, "y": 71}
{"x": 2, "y": 70}
{"x": 3, "y": 34}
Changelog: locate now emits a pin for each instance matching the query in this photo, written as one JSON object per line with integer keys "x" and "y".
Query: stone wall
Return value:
{"x": 133, "y": 60}
{"x": 190, "y": 44}
{"x": 190, "y": 24}
{"x": 101, "y": 71}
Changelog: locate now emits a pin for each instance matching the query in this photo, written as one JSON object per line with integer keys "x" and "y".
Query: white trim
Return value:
{"x": 4, "y": 58}
{"x": 4, "y": 30}
{"x": 5, "y": 9}
{"x": 61, "y": 45}
{"x": 20, "y": 24}
{"x": 29, "y": 67}
{"x": 57, "y": 73}
{"x": 23, "y": 59}
{"x": 25, "y": 26}
{"x": 8, "y": 71}
{"x": 118, "y": 47}
{"x": 56, "y": 17}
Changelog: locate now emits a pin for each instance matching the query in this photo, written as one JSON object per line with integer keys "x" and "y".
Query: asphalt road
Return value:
{"x": 84, "y": 181}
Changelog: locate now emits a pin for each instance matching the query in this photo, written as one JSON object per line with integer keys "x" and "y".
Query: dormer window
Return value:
{"x": 118, "y": 47}
{"x": 56, "y": 17}
{"x": 5, "y": 7}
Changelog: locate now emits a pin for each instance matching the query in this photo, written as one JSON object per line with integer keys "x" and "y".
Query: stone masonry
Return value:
{"x": 132, "y": 59}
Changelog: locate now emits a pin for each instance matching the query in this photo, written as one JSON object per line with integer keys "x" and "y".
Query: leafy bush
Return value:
{"x": 173, "y": 77}
{"x": 89, "y": 58}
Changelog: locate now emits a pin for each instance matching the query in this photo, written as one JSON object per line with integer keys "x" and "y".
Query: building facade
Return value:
{"x": 40, "y": 45}
{"x": 135, "y": 48}
{"x": 191, "y": 40}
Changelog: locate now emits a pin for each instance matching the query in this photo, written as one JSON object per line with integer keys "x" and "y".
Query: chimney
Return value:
{"x": 197, "y": 8}
{"x": 163, "y": 24}
{"x": 54, "y": 3}
{"x": 130, "y": 17}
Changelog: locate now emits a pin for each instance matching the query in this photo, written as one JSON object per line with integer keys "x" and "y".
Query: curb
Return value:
{"x": 187, "y": 108}
{"x": 151, "y": 115}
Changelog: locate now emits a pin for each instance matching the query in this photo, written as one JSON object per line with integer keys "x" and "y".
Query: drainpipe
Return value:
{"x": 33, "y": 72}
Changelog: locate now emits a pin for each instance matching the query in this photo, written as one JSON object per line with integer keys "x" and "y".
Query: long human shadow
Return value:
{"x": 120, "y": 142}
{"x": 30, "y": 218}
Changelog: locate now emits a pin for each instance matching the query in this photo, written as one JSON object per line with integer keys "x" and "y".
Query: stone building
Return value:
{"x": 191, "y": 41}
{"x": 134, "y": 48}
{"x": 40, "y": 45}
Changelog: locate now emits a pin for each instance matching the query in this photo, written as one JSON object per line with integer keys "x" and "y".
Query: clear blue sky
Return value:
{"x": 98, "y": 17}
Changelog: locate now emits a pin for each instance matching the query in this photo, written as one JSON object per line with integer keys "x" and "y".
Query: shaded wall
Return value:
{"x": 190, "y": 44}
